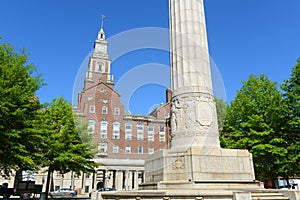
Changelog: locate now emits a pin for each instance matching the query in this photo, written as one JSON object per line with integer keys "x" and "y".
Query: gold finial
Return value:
{"x": 102, "y": 20}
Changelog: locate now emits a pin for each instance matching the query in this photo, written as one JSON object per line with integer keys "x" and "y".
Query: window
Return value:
{"x": 151, "y": 150}
{"x": 162, "y": 134}
{"x": 150, "y": 133}
{"x": 115, "y": 149}
{"x": 128, "y": 149}
{"x": 166, "y": 115}
{"x": 140, "y": 150}
{"x": 101, "y": 90}
{"x": 92, "y": 109}
{"x": 103, "y": 129}
{"x": 102, "y": 147}
{"x": 104, "y": 110}
{"x": 117, "y": 111}
{"x": 140, "y": 131}
{"x": 128, "y": 131}
{"x": 116, "y": 130}
{"x": 91, "y": 126}
{"x": 100, "y": 67}
{"x": 86, "y": 189}
{"x": 90, "y": 98}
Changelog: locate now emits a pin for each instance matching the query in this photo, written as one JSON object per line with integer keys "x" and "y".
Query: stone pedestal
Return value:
{"x": 201, "y": 168}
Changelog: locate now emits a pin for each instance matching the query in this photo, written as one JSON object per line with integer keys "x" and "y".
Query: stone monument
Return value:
{"x": 195, "y": 159}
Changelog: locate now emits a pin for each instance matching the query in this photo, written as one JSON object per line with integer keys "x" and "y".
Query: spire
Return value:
{"x": 101, "y": 34}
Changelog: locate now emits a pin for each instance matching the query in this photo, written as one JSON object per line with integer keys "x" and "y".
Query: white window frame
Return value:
{"x": 140, "y": 150}
{"x": 128, "y": 131}
{"x": 104, "y": 110}
{"x": 128, "y": 149}
{"x": 115, "y": 149}
{"x": 92, "y": 108}
{"x": 91, "y": 126}
{"x": 162, "y": 134}
{"x": 151, "y": 133}
{"x": 116, "y": 130}
{"x": 103, "y": 129}
{"x": 140, "y": 131}
{"x": 102, "y": 147}
{"x": 151, "y": 150}
{"x": 117, "y": 111}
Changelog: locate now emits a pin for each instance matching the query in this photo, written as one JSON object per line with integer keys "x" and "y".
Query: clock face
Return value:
{"x": 101, "y": 48}
{"x": 105, "y": 101}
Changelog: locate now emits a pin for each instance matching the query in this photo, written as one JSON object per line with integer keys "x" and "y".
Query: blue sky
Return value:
{"x": 245, "y": 37}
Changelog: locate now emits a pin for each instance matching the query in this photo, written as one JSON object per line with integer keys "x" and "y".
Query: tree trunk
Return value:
{"x": 48, "y": 183}
{"x": 16, "y": 181}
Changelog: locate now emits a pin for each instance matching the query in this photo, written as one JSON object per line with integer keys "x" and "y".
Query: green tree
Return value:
{"x": 63, "y": 149}
{"x": 221, "y": 112}
{"x": 253, "y": 122}
{"x": 291, "y": 95}
{"x": 18, "y": 112}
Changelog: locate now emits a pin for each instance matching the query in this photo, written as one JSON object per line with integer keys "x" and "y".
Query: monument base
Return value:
{"x": 195, "y": 167}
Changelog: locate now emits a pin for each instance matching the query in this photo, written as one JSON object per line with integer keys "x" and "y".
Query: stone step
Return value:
{"x": 268, "y": 196}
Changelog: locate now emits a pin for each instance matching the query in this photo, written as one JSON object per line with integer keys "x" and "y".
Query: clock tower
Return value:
{"x": 99, "y": 63}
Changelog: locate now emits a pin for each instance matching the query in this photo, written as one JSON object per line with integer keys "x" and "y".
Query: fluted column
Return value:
{"x": 194, "y": 118}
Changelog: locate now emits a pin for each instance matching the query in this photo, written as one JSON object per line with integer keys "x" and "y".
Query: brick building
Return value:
{"x": 124, "y": 139}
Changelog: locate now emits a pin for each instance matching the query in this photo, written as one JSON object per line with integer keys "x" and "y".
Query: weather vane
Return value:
{"x": 102, "y": 20}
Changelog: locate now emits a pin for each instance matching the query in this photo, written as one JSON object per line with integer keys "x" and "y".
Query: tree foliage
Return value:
{"x": 291, "y": 95}
{"x": 254, "y": 121}
{"x": 18, "y": 111}
{"x": 221, "y": 112}
{"x": 63, "y": 149}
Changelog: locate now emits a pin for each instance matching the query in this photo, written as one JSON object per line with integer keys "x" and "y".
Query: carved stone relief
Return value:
{"x": 178, "y": 164}
{"x": 192, "y": 113}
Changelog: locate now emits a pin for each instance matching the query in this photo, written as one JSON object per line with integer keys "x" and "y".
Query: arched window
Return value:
{"x": 103, "y": 129}
{"x": 101, "y": 67}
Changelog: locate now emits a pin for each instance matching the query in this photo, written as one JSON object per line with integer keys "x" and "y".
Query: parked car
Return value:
{"x": 64, "y": 192}
{"x": 103, "y": 190}
{"x": 106, "y": 189}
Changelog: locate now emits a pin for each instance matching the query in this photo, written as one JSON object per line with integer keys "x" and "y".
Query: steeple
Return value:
{"x": 99, "y": 64}
{"x": 101, "y": 33}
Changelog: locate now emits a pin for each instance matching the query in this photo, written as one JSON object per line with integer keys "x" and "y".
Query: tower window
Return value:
{"x": 100, "y": 67}
{"x": 104, "y": 110}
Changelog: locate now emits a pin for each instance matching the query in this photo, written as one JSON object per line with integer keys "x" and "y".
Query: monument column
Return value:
{"x": 193, "y": 110}
{"x": 195, "y": 159}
